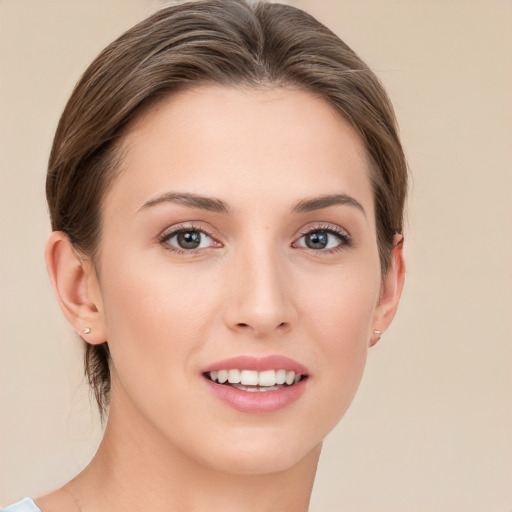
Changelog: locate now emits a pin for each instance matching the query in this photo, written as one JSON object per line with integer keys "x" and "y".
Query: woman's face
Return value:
{"x": 239, "y": 235}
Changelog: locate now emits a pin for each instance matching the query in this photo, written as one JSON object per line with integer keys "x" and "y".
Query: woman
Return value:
{"x": 226, "y": 189}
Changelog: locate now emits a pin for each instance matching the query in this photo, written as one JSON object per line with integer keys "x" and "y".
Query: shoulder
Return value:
{"x": 26, "y": 505}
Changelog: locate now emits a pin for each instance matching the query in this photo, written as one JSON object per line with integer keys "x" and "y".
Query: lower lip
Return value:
{"x": 257, "y": 402}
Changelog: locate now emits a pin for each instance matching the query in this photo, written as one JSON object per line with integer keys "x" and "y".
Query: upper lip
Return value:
{"x": 260, "y": 364}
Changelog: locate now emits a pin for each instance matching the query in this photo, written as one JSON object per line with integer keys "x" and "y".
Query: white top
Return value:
{"x": 26, "y": 505}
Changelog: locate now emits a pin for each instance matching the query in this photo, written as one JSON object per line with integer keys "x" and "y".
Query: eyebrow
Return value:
{"x": 317, "y": 203}
{"x": 213, "y": 204}
{"x": 190, "y": 200}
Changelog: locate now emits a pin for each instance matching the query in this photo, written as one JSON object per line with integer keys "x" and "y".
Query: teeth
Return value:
{"x": 249, "y": 377}
{"x": 254, "y": 388}
{"x": 266, "y": 380}
{"x": 280, "y": 376}
{"x": 234, "y": 376}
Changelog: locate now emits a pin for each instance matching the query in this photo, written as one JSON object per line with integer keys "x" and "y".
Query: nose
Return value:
{"x": 260, "y": 294}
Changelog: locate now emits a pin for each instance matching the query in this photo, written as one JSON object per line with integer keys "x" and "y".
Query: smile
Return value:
{"x": 253, "y": 381}
{"x": 257, "y": 384}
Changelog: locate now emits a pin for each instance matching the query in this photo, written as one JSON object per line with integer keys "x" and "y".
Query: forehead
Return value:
{"x": 254, "y": 144}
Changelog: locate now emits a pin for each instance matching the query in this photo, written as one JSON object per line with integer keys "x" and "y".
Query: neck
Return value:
{"x": 136, "y": 468}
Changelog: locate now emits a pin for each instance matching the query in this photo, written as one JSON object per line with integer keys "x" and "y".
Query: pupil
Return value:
{"x": 189, "y": 239}
{"x": 317, "y": 240}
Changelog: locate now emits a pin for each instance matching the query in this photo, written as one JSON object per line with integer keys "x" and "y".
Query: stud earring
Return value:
{"x": 87, "y": 330}
{"x": 378, "y": 336}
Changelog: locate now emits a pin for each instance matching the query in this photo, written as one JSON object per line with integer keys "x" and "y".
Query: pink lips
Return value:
{"x": 260, "y": 364}
{"x": 258, "y": 402}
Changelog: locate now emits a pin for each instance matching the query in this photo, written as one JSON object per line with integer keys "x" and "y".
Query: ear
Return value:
{"x": 76, "y": 284}
{"x": 391, "y": 290}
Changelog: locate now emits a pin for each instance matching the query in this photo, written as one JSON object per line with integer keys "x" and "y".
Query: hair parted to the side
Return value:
{"x": 224, "y": 42}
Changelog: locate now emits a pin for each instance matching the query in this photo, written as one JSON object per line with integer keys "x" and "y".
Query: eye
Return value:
{"x": 324, "y": 239}
{"x": 188, "y": 239}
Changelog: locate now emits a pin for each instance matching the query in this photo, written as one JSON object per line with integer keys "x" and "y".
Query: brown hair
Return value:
{"x": 225, "y": 42}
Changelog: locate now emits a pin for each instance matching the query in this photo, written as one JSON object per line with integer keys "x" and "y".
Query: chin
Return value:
{"x": 258, "y": 453}
{"x": 262, "y": 463}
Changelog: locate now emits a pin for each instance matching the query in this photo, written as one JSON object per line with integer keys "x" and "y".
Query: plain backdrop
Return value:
{"x": 431, "y": 426}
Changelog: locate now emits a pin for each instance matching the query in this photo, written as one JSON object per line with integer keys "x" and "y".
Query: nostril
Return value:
{"x": 260, "y": 329}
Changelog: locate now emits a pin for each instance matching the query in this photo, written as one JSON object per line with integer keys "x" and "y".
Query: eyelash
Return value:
{"x": 343, "y": 236}
{"x": 167, "y": 235}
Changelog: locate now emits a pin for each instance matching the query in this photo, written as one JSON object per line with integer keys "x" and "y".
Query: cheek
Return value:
{"x": 339, "y": 319}
{"x": 152, "y": 296}
{"x": 154, "y": 319}
{"x": 339, "y": 306}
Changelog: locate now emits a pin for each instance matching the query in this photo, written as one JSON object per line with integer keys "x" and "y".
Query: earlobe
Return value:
{"x": 391, "y": 291}
{"x": 76, "y": 286}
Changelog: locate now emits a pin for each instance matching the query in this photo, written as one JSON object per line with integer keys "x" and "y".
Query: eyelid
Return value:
{"x": 187, "y": 226}
{"x": 342, "y": 234}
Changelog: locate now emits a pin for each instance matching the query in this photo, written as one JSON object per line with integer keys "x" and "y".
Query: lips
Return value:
{"x": 257, "y": 385}
{"x": 272, "y": 362}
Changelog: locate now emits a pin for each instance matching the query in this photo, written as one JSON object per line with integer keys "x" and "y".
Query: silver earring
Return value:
{"x": 87, "y": 330}
{"x": 378, "y": 334}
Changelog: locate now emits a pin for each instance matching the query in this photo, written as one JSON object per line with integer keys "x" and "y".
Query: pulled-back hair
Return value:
{"x": 222, "y": 42}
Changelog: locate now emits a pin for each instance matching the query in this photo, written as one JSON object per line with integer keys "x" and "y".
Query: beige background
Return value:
{"x": 431, "y": 427}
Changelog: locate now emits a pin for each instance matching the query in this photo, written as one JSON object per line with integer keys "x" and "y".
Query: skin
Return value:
{"x": 254, "y": 287}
